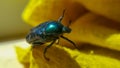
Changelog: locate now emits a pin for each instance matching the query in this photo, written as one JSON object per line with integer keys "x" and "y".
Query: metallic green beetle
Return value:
{"x": 49, "y": 31}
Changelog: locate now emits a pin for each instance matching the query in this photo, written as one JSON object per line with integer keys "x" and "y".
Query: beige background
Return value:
{"x": 11, "y": 23}
{"x": 11, "y": 26}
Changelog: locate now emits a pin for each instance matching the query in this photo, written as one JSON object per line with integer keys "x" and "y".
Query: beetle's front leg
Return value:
{"x": 69, "y": 41}
{"x": 44, "y": 54}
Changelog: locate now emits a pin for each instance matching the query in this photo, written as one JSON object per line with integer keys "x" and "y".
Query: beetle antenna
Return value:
{"x": 69, "y": 23}
{"x": 61, "y": 17}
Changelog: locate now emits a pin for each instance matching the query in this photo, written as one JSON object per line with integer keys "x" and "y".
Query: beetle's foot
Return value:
{"x": 46, "y": 58}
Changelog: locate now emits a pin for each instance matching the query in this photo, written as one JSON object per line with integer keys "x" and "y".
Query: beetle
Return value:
{"x": 49, "y": 31}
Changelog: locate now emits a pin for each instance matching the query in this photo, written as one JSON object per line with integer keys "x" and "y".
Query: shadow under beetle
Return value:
{"x": 49, "y": 31}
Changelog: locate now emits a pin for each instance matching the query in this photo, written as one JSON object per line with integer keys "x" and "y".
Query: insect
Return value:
{"x": 49, "y": 31}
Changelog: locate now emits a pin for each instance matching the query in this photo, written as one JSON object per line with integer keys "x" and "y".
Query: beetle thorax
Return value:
{"x": 53, "y": 28}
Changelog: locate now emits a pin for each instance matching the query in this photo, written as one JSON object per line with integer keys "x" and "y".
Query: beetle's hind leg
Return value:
{"x": 69, "y": 41}
{"x": 45, "y": 50}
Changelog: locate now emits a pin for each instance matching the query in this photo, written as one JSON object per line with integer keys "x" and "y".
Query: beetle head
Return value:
{"x": 66, "y": 30}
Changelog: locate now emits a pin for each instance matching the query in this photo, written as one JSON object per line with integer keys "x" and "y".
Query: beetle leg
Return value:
{"x": 37, "y": 43}
{"x": 45, "y": 50}
{"x": 69, "y": 41}
{"x": 61, "y": 17}
{"x": 58, "y": 40}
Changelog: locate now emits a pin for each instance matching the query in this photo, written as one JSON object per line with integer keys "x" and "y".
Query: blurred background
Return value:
{"x": 12, "y": 31}
{"x": 11, "y": 23}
